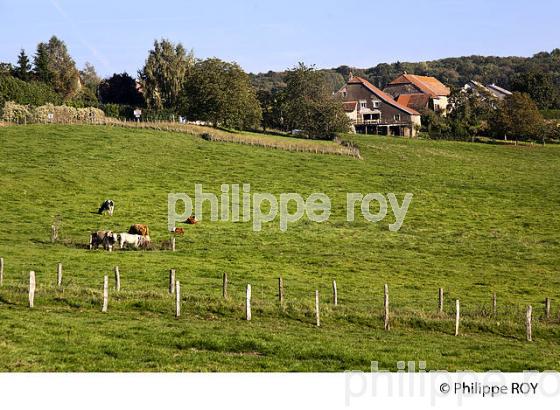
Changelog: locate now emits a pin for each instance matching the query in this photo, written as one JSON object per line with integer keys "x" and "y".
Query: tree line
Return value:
{"x": 173, "y": 83}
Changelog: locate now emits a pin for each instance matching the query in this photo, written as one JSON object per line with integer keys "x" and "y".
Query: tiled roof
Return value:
{"x": 384, "y": 96}
{"x": 428, "y": 85}
{"x": 414, "y": 101}
{"x": 349, "y": 105}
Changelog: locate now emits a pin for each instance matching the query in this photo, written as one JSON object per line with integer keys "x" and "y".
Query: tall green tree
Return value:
{"x": 517, "y": 117}
{"x": 120, "y": 89}
{"x": 164, "y": 74}
{"x": 309, "y": 104}
{"x": 54, "y": 66}
{"x": 221, "y": 93}
{"x": 23, "y": 67}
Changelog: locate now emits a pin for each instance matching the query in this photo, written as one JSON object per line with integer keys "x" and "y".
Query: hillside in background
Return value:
{"x": 507, "y": 72}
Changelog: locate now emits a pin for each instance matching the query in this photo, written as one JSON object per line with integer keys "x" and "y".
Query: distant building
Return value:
{"x": 419, "y": 92}
{"x": 491, "y": 89}
{"x": 374, "y": 112}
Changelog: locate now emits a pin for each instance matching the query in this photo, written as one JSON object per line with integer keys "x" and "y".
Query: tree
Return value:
{"x": 310, "y": 106}
{"x": 221, "y": 93}
{"x": 517, "y": 116}
{"x": 539, "y": 85}
{"x": 120, "y": 89}
{"x": 23, "y": 68}
{"x": 54, "y": 66}
{"x": 271, "y": 107}
{"x": 89, "y": 77}
{"x": 164, "y": 74}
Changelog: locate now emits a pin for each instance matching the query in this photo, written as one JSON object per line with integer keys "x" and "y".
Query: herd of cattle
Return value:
{"x": 138, "y": 235}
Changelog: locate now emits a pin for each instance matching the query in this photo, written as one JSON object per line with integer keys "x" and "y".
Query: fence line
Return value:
{"x": 174, "y": 288}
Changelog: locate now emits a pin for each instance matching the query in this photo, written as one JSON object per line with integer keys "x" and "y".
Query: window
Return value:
{"x": 397, "y": 117}
{"x": 376, "y": 103}
{"x": 363, "y": 104}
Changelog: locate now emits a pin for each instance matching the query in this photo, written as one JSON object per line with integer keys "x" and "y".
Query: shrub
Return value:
{"x": 32, "y": 93}
{"x": 61, "y": 113}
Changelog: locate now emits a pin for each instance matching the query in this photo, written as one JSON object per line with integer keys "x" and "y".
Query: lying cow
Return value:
{"x": 107, "y": 206}
{"x": 191, "y": 220}
{"x": 105, "y": 238}
{"x": 178, "y": 231}
{"x": 134, "y": 240}
{"x": 139, "y": 229}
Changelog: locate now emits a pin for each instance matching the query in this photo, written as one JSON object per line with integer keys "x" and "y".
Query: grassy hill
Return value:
{"x": 484, "y": 219}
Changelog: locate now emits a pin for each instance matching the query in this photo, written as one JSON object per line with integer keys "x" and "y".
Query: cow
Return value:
{"x": 133, "y": 240}
{"x": 178, "y": 231}
{"x": 191, "y": 220}
{"x": 105, "y": 238}
{"x": 139, "y": 229}
{"x": 107, "y": 206}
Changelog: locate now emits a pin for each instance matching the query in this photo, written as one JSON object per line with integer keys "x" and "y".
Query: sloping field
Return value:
{"x": 483, "y": 219}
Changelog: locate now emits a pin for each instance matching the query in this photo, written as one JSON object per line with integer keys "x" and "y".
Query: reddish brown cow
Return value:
{"x": 179, "y": 231}
{"x": 139, "y": 229}
{"x": 191, "y": 220}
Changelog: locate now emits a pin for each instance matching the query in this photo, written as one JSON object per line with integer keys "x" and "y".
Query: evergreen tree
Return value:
{"x": 54, "y": 66}
{"x": 23, "y": 68}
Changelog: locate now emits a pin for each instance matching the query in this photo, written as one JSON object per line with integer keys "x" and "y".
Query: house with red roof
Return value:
{"x": 419, "y": 92}
{"x": 373, "y": 111}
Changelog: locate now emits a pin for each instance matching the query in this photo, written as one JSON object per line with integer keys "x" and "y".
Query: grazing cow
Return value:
{"x": 133, "y": 240}
{"x": 191, "y": 220}
{"x": 107, "y": 206}
{"x": 105, "y": 238}
{"x": 139, "y": 229}
{"x": 178, "y": 231}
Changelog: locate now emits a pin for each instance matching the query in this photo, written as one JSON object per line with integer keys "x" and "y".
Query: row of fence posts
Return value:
{"x": 175, "y": 288}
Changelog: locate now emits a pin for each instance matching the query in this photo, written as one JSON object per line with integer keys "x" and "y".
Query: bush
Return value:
{"x": 27, "y": 93}
{"x": 61, "y": 113}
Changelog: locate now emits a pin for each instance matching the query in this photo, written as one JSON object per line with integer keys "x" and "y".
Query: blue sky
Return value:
{"x": 274, "y": 35}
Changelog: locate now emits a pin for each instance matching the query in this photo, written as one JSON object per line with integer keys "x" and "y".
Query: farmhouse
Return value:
{"x": 481, "y": 90}
{"x": 374, "y": 112}
{"x": 419, "y": 92}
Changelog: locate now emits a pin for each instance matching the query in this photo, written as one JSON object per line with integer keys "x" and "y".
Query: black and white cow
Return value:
{"x": 107, "y": 206}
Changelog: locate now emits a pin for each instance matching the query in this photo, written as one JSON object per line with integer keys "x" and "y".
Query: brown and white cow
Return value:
{"x": 105, "y": 238}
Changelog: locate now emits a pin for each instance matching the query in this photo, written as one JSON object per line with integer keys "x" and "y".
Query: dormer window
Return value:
{"x": 397, "y": 117}
{"x": 376, "y": 103}
{"x": 363, "y": 104}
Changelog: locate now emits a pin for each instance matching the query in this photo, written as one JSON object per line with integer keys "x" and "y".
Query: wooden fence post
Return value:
{"x": 173, "y": 243}
{"x": 494, "y": 306}
{"x": 59, "y": 274}
{"x": 172, "y": 281}
{"x": 440, "y": 300}
{"x": 457, "y": 316}
{"x": 224, "y": 285}
{"x": 528, "y": 323}
{"x": 105, "y": 294}
{"x": 386, "y": 307}
{"x": 317, "y": 313}
{"x": 335, "y": 293}
{"x": 547, "y": 308}
{"x": 31, "y": 288}
{"x": 177, "y": 299}
{"x": 54, "y": 233}
{"x": 117, "y": 279}
{"x": 281, "y": 291}
{"x": 248, "y": 303}
{"x": 1, "y": 271}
